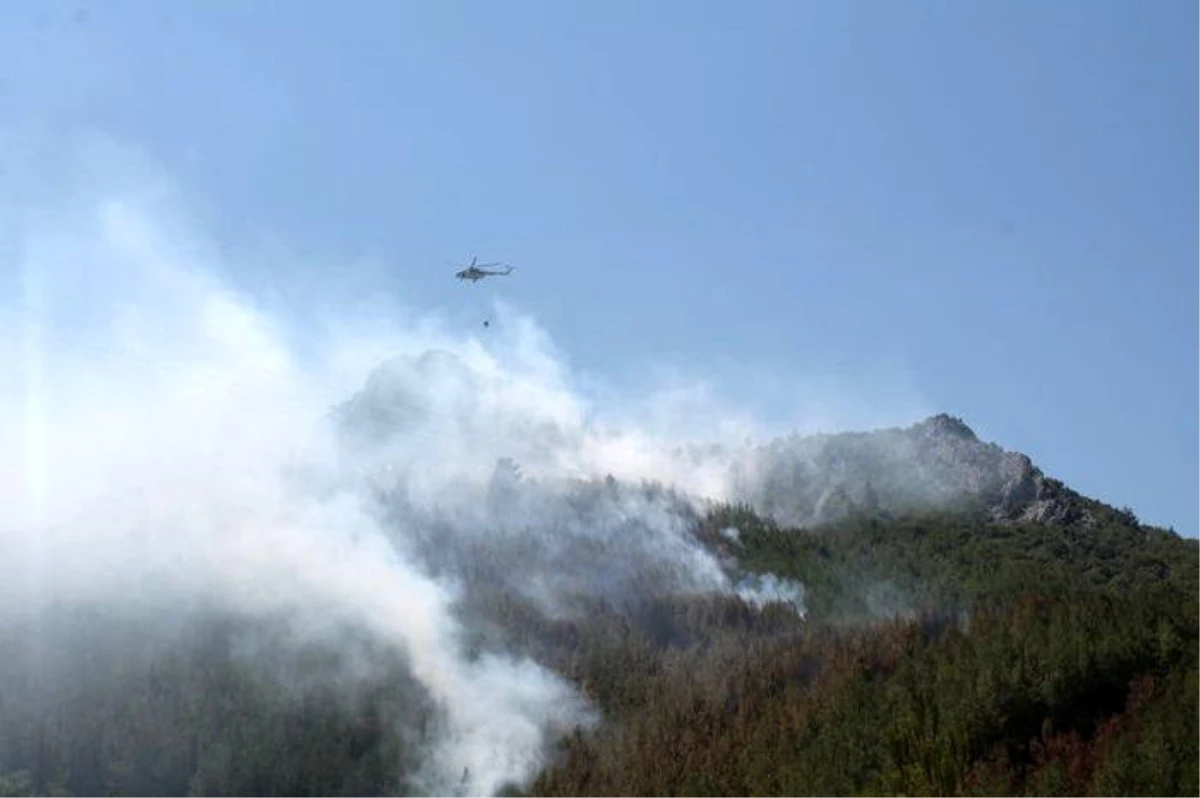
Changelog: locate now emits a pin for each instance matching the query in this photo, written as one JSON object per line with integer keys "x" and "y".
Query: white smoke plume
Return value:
{"x": 763, "y": 589}
{"x": 165, "y": 443}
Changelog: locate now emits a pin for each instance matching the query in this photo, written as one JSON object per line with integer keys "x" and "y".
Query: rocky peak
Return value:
{"x": 945, "y": 424}
{"x": 935, "y": 463}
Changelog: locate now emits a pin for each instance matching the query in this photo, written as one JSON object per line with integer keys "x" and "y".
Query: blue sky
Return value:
{"x": 991, "y": 206}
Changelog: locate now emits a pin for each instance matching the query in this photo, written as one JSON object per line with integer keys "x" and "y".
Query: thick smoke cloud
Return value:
{"x": 167, "y": 447}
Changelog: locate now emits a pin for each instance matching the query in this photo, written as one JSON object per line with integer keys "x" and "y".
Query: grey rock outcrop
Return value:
{"x": 937, "y": 463}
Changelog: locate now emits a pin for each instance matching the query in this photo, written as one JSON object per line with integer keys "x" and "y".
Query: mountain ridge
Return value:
{"x": 936, "y": 463}
{"x": 809, "y": 480}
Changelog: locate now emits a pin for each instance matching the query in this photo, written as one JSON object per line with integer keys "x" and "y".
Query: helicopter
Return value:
{"x": 477, "y": 271}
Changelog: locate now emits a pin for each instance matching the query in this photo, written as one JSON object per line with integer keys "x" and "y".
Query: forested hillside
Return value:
{"x": 941, "y": 654}
{"x": 935, "y": 653}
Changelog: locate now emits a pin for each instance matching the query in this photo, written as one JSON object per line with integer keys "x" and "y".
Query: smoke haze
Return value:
{"x": 170, "y": 449}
